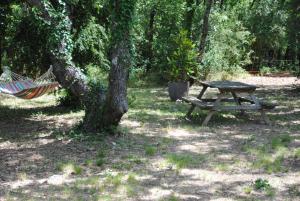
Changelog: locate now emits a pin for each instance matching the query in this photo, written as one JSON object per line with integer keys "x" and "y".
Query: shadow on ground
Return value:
{"x": 159, "y": 156}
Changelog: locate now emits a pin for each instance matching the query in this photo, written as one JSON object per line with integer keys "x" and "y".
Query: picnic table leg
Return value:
{"x": 238, "y": 102}
{"x": 212, "y": 112}
{"x": 208, "y": 117}
{"x": 264, "y": 117}
{"x": 193, "y": 106}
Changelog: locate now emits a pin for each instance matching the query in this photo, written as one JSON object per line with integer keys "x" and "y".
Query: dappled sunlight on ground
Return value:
{"x": 158, "y": 155}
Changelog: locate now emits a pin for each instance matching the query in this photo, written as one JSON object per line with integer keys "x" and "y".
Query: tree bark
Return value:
{"x": 116, "y": 104}
{"x": 66, "y": 73}
{"x": 103, "y": 109}
{"x": 149, "y": 37}
{"x": 204, "y": 34}
{"x": 205, "y": 28}
{"x": 189, "y": 16}
{"x": 3, "y": 16}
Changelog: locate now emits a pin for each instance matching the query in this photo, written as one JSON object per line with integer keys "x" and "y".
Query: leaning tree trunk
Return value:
{"x": 103, "y": 110}
{"x": 65, "y": 71}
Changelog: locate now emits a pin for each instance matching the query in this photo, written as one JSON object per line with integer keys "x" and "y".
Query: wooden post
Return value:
{"x": 193, "y": 106}
{"x": 238, "y": 102}
{"x": 214, "y": 110}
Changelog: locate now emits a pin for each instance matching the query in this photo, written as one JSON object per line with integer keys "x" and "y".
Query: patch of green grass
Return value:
{"x": 88, "y": 162}
{"x": 132, "y": 185}
{"x": 135, "y": 159}
{"x": 101, "y": 153}
{"x": 223, "y": 167}
{"x": 271, "y": 155}
{"x": 114, "y": 180}
{"x": 91, "y": 181}
{"x": 150, "y": 150}
{"x": 270, "y": 164}
{"x": 170, "y": 198}
{"x": 297, "y": 153}
{"x": 128, "y": 162}
{"x": 184, "y": 160}
{"x": 70, "y": 168}
{"x": 121, "y": 165}
{"x": 248, "y": 189}
{"x": 280, "y": 141}
{"x": 100, "y": 162}
{"x": 270, "y": 192}
{"x": 105, "y": 198}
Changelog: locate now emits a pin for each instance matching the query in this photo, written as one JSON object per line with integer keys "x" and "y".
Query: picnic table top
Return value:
{"x": 229, "y": 85}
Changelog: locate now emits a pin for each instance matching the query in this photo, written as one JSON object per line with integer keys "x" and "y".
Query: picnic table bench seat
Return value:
{"x": 197, "y": 102}
{"x": 265, "y": 105}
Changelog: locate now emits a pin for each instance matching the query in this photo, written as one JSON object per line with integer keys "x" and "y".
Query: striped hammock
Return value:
{"x": 26, "y": 88}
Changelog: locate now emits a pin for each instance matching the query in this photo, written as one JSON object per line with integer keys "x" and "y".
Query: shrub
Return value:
{"x": 183, "y": 61}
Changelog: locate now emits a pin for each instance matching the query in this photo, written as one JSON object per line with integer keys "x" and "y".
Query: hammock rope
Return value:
{"x": 23, "y": 87}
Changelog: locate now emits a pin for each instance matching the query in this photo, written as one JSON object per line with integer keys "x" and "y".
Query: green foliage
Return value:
{"x": 261, "y": 184}
{"x": 150, "y": 150}
{"x": 59, "y": 30}
{"x": 66, "y": 99}
{"x": 91, "y": 45}
{"x": 183, "y": 61}
{"x": 25, "y": 31}
{"x": 265, "y": 70}
{"x": 228, "y": 49}
{"x": 281, "y": 141}
{"x": 97, "y": 76}
{"x": 100, "y": 162}
{"x": 263, "y": 31}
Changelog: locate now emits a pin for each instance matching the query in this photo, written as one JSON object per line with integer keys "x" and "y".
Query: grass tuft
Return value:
{"x": 150, "y": 150}
{"x": 70, "y": 168}
{"x": 100, "y": 162}
{"x": 184, "y": 160}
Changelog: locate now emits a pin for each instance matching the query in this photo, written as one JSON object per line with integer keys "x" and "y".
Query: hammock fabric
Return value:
{"x": 25, "y": 88}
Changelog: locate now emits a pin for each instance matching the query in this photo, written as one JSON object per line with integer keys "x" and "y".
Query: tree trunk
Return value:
{"x": 149, "y": 37}
{"x": 3, "y": 24}
{"x": 189, "y": 16}
{"x": 116, "y": 104}
{"x": 205, "y": 28}
{"x": 103, "y": 110}
{"x": 204, "y": 34}
{"x": 65, "y": 71}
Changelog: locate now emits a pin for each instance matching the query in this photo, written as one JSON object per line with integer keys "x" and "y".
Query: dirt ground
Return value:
{"x": 158, "y": 155}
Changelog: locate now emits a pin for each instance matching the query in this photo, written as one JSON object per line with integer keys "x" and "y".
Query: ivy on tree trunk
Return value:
{"x": 104, "y": 108}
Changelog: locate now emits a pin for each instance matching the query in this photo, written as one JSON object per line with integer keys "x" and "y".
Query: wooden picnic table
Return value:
{"x": 243, "y": 99}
